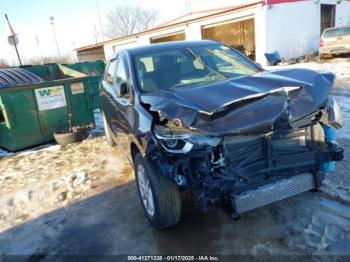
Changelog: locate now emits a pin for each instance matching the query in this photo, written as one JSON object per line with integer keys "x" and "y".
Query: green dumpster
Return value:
{"x": 95, "y": 70}
{"x": 31, "y": 110}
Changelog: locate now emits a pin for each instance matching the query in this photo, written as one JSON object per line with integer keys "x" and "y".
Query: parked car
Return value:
{"x": 203, "y": 117}
{"x": 335, "y": 41}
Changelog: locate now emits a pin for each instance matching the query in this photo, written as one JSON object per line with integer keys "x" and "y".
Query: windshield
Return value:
{"x": 336, "y": 32}
{"x": 181, "y": 67}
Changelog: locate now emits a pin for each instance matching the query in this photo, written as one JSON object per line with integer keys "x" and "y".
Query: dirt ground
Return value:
{"x": 82, "y": 199}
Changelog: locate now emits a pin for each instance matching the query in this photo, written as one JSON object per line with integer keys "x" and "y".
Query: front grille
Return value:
{"x": 273, "y": 192}
{"x": 253, "y": 156}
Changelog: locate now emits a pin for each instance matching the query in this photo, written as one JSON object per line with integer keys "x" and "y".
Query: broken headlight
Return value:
{"x": 175, "y": 143}
{"x": 183, "y": 141}
{"x": 335, "y": 115}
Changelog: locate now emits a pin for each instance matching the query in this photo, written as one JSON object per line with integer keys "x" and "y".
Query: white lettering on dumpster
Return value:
{"x": 50, "y": 97}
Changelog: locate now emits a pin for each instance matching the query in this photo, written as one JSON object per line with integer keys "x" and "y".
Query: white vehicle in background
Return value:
{"x": 335, "y": 41}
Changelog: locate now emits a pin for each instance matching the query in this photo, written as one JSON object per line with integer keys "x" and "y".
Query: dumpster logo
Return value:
{"x": 50, "y": 97}
{"x": 50, "y": 92}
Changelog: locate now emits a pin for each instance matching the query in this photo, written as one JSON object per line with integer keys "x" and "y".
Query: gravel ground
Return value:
{"x": 82, "y": 199}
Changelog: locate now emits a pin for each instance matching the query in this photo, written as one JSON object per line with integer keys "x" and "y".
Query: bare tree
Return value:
{"x": 127, "y": 20}
{"x": 63, "y": 59}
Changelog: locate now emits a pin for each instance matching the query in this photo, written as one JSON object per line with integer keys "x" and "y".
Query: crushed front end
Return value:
{"x": 252, "y": 151}
{"x": 243, "y": 172}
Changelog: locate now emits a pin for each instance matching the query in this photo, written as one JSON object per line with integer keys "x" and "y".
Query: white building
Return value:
{"x": 291, "y": 27}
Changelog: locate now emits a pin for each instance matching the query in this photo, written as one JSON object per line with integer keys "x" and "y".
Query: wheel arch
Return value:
{"x": 134, "y": 150}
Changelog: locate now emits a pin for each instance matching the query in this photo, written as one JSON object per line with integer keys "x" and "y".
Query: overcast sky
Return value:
{"x": 75, "y": 20}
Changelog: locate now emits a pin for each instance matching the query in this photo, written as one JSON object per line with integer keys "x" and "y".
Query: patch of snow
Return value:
{"x": 47, "y": 147}
{"x": 4, "y": 153}
{"x": 340, "y": 67}
{"x": 36, "y": 149}
{"x": 9, "y": 175}
{"x": 98, "y": 130}
{"x": 78, "y": 179}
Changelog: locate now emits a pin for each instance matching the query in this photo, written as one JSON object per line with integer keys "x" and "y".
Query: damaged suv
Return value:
{"x": 203, "y": 117}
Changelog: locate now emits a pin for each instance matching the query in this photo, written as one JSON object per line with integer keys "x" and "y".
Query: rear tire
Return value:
{"x": 163, "y": 208}
{"x": 65, "y": 137}
{"x": 108, "y": 131}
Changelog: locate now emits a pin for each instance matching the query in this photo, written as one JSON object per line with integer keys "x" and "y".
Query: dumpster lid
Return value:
{"x": 17, "y": 76}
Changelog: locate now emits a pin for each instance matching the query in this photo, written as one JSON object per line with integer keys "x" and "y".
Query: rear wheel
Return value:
{"x": 159, "y": 196}
{"x": 108, "y": 131}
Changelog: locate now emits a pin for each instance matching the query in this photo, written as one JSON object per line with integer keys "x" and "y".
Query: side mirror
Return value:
{"x": 122, "y": 89}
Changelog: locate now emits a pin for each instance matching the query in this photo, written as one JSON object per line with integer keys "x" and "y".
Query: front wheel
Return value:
{"x": 159, "y": 196}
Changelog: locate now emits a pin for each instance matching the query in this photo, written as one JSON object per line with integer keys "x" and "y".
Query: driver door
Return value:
{"x": 121, "y": 101}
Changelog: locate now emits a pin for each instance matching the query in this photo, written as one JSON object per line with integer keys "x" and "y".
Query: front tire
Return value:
{"x": 159, "y": 196}
{"x": 108, "y": 131}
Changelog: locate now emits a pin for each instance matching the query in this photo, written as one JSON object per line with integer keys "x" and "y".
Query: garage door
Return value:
{"x": 239, "y": 34}
{"x": 179, "y": 36}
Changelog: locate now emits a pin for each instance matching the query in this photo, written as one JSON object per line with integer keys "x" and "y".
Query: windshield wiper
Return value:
{"x": 253, "y": 67}
{"x": 205, "y": 66}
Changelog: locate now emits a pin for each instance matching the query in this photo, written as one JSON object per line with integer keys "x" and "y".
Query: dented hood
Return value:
{"x": 250, "y": 104}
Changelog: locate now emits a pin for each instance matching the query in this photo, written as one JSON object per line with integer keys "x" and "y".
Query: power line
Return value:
{"x": 52, "y": 22}
{"x": 99, "y": 18}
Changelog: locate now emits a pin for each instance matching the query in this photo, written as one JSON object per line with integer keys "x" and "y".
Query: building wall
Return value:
{"x": 92, "y": 54}
{"x": 193, "y": 31}
{"x": 342, "y": 13}
{"x": 293, "y": 29}
{"x": 145, "y": 39}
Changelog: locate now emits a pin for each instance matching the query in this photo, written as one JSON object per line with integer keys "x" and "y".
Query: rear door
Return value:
{"x": 106, "y": 90}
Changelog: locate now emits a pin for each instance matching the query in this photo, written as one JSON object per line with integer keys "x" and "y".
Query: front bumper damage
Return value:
{"x": 253, "y": 142}
{"x": 241, "y": 173}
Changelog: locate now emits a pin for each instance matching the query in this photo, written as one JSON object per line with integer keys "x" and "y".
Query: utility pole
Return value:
{"x": 38, "y": 45}
{"x": 99, "y": 18}
{"x": 13, "y": 39}
{"x": 96, "y": 34}
{"x": 52, "y": 22}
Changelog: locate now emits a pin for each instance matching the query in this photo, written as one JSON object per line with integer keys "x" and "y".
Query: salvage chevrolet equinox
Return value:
{"x": 201, "y": 116}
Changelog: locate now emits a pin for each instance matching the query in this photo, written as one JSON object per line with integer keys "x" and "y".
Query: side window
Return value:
{"x": 111, "y": 71}
{"x": 121, "y": 86}
{"x": 2, "y": 116}
{"x": 121, "y": 72}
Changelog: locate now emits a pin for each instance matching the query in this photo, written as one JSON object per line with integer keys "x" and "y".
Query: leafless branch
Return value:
{"x": 126, "y": 20}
